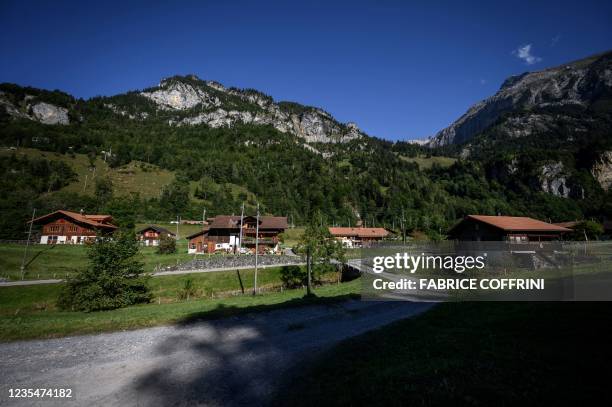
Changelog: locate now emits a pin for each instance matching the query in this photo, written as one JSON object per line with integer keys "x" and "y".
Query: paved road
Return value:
{"x": 29, "y": 282}
{"x": 231, "y": 361}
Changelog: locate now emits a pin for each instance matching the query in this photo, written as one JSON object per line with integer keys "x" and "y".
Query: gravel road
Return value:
{"x": 232, "y": 361}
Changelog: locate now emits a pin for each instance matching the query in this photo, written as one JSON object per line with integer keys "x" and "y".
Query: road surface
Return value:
{"x": 230, "y": 361}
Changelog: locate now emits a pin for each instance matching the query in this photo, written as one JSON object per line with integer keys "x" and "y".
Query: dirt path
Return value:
{"x": 224, "y": 362}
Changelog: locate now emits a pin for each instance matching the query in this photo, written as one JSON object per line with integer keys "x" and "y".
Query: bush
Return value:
{"x": 167, "y": 245}
{"x": 592, "y": 230}
{"x": 188, "y": 290}
{"x": 112, "y": 279}
{"x": 293, "y": 276}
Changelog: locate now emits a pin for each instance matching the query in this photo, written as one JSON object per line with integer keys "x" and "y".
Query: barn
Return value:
{"x": 513, "y": 229}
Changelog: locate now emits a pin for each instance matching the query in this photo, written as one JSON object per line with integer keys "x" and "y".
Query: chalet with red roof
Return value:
{"x": 359, "y": 236}
{"x": 223, "y": 234}
{"x": 151, "y": 235}
{"x": 66, "y": 227}
{"x": 513, "y": 229}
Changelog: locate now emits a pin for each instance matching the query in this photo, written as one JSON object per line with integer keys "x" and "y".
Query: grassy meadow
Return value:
{"x": 425, "y": 163}
{"x": 468, "y": 354}
{"x": 59, "y": 261}
{"x": 30, "y": 312}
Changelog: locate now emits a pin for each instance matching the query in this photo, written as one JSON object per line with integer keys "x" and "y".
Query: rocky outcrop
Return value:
{"x": 179, "y": 95}
{"x": 42, "y": 112}
{"x": 213, "y": 104}
{"x": 553, "y": 180}
{"x": 602, "y": 171}
{"x": 577, "y": 84}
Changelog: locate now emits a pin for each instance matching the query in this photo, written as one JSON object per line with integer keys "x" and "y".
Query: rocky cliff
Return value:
{"x": 33, "y": 109}
{"x": 532, "y": 103}
{"x": 210, "y": 103}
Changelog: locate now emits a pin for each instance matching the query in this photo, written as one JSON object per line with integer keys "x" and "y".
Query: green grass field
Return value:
{"x": 469, "y": 354}
{"x": 136, "y": 177}
{"x": 291, "y": 237}
{"x": 30, "y": 312}
{"x": 427, "y": 162}
{"x": 62, "y": 260}
{"x": 146, "y": 179}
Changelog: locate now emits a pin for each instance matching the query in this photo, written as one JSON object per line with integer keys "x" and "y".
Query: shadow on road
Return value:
{"x": 243, "y": 358}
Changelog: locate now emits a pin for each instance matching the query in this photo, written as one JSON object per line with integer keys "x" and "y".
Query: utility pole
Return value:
{"x": 177, "y": 225}
{"x": 25, "y": 251}
{"x": 308, "y": 270}
{"x": 256, "y": 250}
{"x": 241, "y": 225}
{"x": 403, "y": 227}
{"x": 203, "y": 218}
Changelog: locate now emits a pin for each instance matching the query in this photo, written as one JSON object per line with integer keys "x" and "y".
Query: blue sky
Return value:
{"x": 399, "y": 70}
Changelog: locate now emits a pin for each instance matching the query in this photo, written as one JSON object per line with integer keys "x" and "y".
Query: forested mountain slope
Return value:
{"x": 208, "y": 146}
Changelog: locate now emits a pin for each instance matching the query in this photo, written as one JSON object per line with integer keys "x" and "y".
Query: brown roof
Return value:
{"x": 196, "y": 234}
{"x": 359, "y": 232}
{"x": 156, "y": 228}
{"x": 518, "y": 223}
{"x": 96, "y": 221}
{"x": 233, "y": 222}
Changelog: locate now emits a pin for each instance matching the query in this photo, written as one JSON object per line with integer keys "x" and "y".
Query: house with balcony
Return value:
{"x": 223, "y": 233}
{"x": 66, "y": 227}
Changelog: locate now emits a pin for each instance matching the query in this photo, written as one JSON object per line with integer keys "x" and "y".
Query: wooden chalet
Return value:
{"x": 358, "y": 236}
{"x": 510, "y": 229}
{"x": 150, "y": 235}
{"x": 66, "y": 227}
{"x": 223, "y": 234}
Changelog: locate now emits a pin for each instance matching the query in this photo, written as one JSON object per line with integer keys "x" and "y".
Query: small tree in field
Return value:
{"x": 319, "y": 248}
{"x": 112, "y": 279}
{"x": 167, "y": 245}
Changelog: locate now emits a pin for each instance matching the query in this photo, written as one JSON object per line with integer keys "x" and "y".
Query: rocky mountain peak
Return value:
{"x": 211, "y": 103}
{"x": 578, "y": 84}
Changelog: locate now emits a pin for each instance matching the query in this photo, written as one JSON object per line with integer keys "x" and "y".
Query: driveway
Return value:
{"x": 230, "y": 361}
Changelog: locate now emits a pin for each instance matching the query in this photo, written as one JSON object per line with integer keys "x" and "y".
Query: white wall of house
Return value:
{"x": 45, "y": 239}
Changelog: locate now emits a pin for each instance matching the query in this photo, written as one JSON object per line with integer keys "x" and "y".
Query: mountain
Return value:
{"x": 541, "y": 147}
{"x": 571, "y": 95}
{"x": 550, "y": 130}
{"x": 188, "y": 100}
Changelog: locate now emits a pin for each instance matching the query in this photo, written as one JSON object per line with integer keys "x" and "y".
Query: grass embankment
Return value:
{"x": 470, "y": 354}
{"x": 30, "y": 312}
{"x": 61, "y": 260}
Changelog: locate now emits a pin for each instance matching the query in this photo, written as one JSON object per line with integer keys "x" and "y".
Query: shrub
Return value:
{"x": 293, "y": 276}
{"x": 112, "y": 279}
{"x": 167, "y": 245}
{"x": 188, "y": 290}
